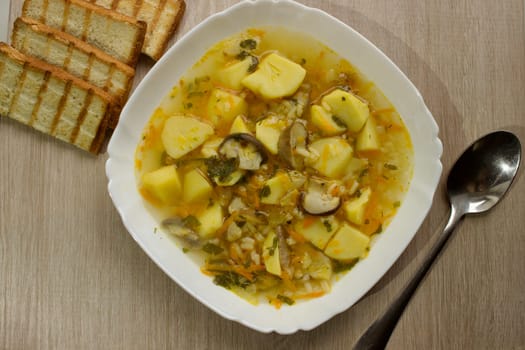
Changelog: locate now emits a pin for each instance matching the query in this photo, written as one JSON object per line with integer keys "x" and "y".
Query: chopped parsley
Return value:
{"x": 249, "y": 44}
{"x": 265, "y": 191}
{"x": 397, "y": 204}
{"x": 340, "y": 266}
{"x": 211, "y": 248}
{"x": 271, "y": 250}
{"x": 390, "y": 166}
{"x": 303, "y": 61}
{"x": 185, "y": 250}
{"x": 191, "y": 222}
{"x": 253, "y": 65}
{"x": 328, "y": 225}
{"x": 379, "y": 230}
{"x": 231, "y": 279}
{"x": 220, "y": 168}
{"x": 285, "y": 299}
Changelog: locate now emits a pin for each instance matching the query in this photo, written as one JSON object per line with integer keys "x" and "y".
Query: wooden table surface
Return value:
{"x": 71, "y": 277}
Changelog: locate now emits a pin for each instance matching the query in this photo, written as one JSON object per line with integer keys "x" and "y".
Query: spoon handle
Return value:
{"x": 378, "y": 334}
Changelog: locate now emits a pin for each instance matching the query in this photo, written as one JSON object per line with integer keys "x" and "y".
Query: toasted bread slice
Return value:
{"x": 118, "y": 35}
{"x": 52, "y": 101}
{"x": 74, "y": 56}
{"x": 162, "y": 17}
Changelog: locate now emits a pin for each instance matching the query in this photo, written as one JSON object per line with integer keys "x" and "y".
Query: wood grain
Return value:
{"x": 72, "y": 278}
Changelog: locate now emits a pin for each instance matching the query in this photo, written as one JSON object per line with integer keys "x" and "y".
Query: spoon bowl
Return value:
{"x": 484, "y": 172}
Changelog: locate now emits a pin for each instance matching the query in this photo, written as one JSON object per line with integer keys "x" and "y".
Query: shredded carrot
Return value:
{"x": 295, "y": 235}
{"x": 287, "y": 281}
{"x": 227, "y": 223}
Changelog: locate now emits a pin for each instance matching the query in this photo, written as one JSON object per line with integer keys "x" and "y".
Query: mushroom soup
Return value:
{"x": 274, "y": 162}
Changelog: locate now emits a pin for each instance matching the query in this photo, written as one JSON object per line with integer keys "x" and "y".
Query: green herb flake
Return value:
{"x": 191, "y": 222}
{"x": 340, "y": 266}
{"x": 339, "y": 121}
{"x": 212, "y": 249}
{"x": 185, "y": 250}
{"x": 220, "y": 168}
{"x": 188, "y": 105}
{"x": 379, "y": 230}
{"x": 397, "y": 204}
{"x": 390, "y": 166}
{"x": 248, "y": 44}
{"x": 363, "y": 173}
{"x": 343, "y": 98}
{"x": 285, "y": 299}
{"x": 253, "y": 65}
{"x": 303, "y": 61}
{"x": 155, "y": 229}
{"x": 328, "y": 225}
{"x": 265, "y": 191}
{"x": 240, "y": 223}
{"x": 242, "y": 55}
{"x": 358, "y": 193}
{"x": 231, "y": 279}
{"x": 271, "y": 250}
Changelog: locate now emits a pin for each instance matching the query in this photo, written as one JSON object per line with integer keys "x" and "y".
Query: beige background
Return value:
{"x": 72, "y": 278}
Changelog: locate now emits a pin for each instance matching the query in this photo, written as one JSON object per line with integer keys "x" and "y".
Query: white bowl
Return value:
{"x": 363, "y": 55}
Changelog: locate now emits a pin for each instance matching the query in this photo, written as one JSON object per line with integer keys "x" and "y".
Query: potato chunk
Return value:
{"x": 196, "y": 186}
{"x": 232, "y": 75}
{"x": 317, "y": 230}
{"x": 275, "y": 188}
{"x": 210, "y": 220}
{"x": 348, "y": 243}
{"x": 351, "y": 110}
{"x": 326, "y": 122}
{"x": 163, "y": 184}
{"x": 275, "y": 77}
{"x": 334, "y": 155}
{"x": 268, "y": 132}
{"x": 355, "y": 209}
{"x": 182, "y": 135}
{"x": 239, "y": 125}
{"x": 223, "y": 107}
{"x": 271, "y": 254}
{"x": 367, "y": 139}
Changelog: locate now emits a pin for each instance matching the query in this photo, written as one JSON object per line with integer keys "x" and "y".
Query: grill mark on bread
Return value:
{"x": 60, "y": 109}
{"x": 87, "y": 20}
{"x": 87, "y": 72}
{"x": 45, "y": 5}
{"x": 19, "y": 87}
{"x": 156, "y": 16}
{"x": 137, "y": 8}
{"x": 80, "y": 120}
{"x": 65, "y": 17}
{"x": 43, "y": 88}
{"x": 109, "y": 79}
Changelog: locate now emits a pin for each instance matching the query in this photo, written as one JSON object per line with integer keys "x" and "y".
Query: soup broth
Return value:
{"x": 274, "y": 162}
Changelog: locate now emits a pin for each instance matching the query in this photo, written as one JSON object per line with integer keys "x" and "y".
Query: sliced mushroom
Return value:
{"x": 292, "y": 144}
{"x": 179, "y": 228}
{"x": 317, "y": 200}
{"x": 247, "y": 149}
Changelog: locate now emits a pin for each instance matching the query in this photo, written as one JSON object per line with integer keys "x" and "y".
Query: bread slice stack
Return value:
{"x": 72, "y": 62}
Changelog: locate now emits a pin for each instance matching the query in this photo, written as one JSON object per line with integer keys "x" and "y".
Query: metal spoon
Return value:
{"x": 477, "y": 181}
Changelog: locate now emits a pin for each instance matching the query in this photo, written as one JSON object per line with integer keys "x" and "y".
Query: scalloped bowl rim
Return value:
{"x": 375, "y": 65}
